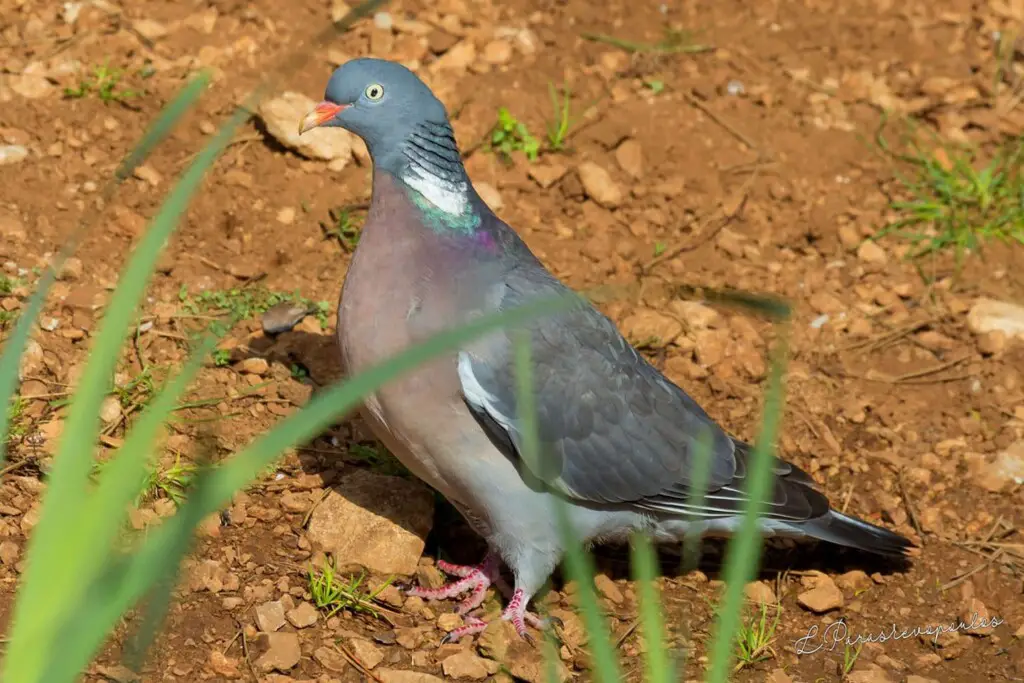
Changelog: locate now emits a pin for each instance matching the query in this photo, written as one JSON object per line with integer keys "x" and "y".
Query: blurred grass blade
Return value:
{"x": 48, "y": 592}
{"x": 744, "y": 550}
{"x": 577, "y": 561}
{"x": 700, "y": 475}
{"x": 16, "y": 342}
{"x": 656, "y": 659}
{"x": 129, "y": 580}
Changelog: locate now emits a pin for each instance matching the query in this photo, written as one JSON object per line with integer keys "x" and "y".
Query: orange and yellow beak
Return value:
{"x": 321, "y": 114}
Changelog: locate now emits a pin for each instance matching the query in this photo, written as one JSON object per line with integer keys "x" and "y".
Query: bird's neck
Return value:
{"x": 430, "y": 170}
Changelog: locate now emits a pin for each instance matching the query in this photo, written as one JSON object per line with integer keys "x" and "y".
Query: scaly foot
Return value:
{"x": 474, "y": 580}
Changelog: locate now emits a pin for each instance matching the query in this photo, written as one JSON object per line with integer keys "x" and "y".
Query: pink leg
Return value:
{"x": 516, "y": 613}
{"x": 474, "y": 580}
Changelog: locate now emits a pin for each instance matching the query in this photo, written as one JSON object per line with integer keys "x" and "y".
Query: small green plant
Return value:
{"x": 562, "y": 123}
{"x": 850, "y": 655}
{"x": 755, "y": 636}
{"x": 511, "y": 135}
{"x": 137, "y": 390}
{"x": 343, "y": 227}
{"x": 333, "y": 594}
{"x": 103, "y": 82}
{"x": 241, "y": 303}
{"x": 659, "y": 249}
{"x": 221, "y": 357}
{"x": 172, "y": 482}
{"x": 654, "y": 85}
{"x": 298, "y": 372}
{"x": 16, "y": 418}
{"x": 956, "y": 201}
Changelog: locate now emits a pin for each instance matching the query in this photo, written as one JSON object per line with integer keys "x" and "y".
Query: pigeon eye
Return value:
{"x": 374, "y": 91}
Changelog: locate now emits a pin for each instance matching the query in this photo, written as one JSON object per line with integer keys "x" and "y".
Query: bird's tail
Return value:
{"x": 835, "y": 527}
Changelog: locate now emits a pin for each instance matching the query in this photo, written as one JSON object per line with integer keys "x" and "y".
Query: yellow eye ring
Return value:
{"x": 374, "y": 91}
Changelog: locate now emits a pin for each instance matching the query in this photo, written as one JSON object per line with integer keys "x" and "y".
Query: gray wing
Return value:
{"x": 612, "y": 428}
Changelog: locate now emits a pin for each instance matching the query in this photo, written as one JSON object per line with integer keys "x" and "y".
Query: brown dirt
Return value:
{"x": 755, "y": 189}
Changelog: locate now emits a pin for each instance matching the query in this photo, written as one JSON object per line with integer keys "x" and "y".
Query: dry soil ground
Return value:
{"x": 748, "y": 163}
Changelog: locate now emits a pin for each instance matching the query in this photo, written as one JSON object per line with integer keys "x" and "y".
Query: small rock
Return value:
{"x": 697, "y": 315}
{"x": 495, "y": 639}
{"x": 1006, "y": 469}
{"x": 368, "y": 654}
{"x": 647, "y": 326}
{"x": 824, "y": 597}
{"x": 524, "y": 662}
{"x": 854, "y": 580}
{"x": 147, "y": 174}
{"x": 402, "y": 676}
{"x": 760, "y": 592}
{"x": 29, "y": 85}
{"x": 12, "y": 154}
{"x": 449, "y": 621}
{"x": 849, "y": 236}
{"x": 374, "y": 521}
{"x": 254, "y": 366}
{"x": 282, "y": 116}
{"x": 281, "y": 651}
{"x": 978, "y": 619}
{"x": 778, "y": 676}
{"x": 303, "y": 616}
{"x": 456, "y": 59}
{"x": 629, "y": 156}
{"x": 914, "y": 678}
{"x": 869, "y": 674}
{"x": 546, "y": 174}
{"x": 150, "y": 29}
{"x": 992, "y": 343}
{"x": 282, "y": 317}
{"x": 498, "y": 52}
{"x": 270, "y": 616}
{"x": 606, "y": 587}
{"x": 330, "y": 659}
{"x": 989, "y": 315}
{"x": 286, "y": 216}
{"x": 598, "y": 185}
{"x": 490, "y": 195}
{"x": 9, "y": 553}
{"x": 224, "y": 666}
{"x": 110, "y": 410}
{"x": 72, "y": 269}
{"x": 465, "y": 665}
{"x": 870, "y": 252}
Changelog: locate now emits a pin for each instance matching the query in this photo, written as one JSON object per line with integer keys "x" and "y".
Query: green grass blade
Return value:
{"x": 643, "y": 561}
{"x": 577, "y": 562}
{"x": 744, "y": 549}
{"x": 700, "y": 475}
{"x": 48, "y": 592}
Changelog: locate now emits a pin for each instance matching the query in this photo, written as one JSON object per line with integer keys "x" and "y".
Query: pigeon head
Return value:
{"x": 385, "y": 104}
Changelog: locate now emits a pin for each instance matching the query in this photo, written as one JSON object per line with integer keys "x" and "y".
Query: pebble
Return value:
{"x": 546, "y": 174}
{"x": 404, "y": 676}
{"x": 854, "y": 580}
{"x": 651, "y": 327}
{"x": 629, "y": 156}
{"x": 303, "y": 616}
{"x": 989, "y": 315}
{"x": 150, "y": 29}
{"x": 282, "y": 317}
{"x": 282, "y": 115}
{"x": 849, "y": 236}
{"x": 330, "y": 659}
{"x": 286, "y": 216}
{"x": 468, "y": 665}
{"x": 29, "y": 85}
{"x": 110, "y": 410}
{"x": 449, "y": 621}
{"x": 281, "y": 652}
{"x": 147, "y": 174}
{"x": 497, "y": 52}
{"x": 12, "y": 154}
{"x": 224, "y": 666}
{"x": 870, "y": 252}
{"x": 598, "y": 185}
{"x": 374, "y": 521}
{"x": 72, "y": 269}
{"x": 270, "y": 616}
{"x": 760, "y": 592}
{"x": 869, "y": 674}
{"x": 606, "y": 587}
{"x": 824, "y": 597}
{"x": 368, "y": 654}
{"x": 254, "y": 366}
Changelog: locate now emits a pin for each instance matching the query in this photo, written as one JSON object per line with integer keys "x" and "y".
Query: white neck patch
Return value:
{"x": 451, "y": 197}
